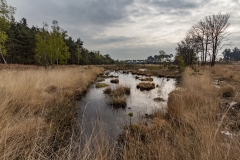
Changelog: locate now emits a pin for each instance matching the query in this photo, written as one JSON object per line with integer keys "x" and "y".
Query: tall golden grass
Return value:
{"x": 37, "y": 120}
{"x": 37, "y": 114}
{"x": 227, "y": 73}
{"x": 192, "y": 128}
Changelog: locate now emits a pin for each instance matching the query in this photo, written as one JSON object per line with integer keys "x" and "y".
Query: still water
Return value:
{"x": 96, "y": 116}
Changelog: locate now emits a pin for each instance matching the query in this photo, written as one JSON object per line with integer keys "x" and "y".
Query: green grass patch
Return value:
{"x": 101, "y": 85}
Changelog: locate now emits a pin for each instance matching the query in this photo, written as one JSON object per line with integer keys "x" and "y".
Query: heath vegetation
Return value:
{"x": 37, "y": 110}
{"x": 146, "y": 86}
{"x": 194, "y": 126}
{"x": 117, "y": 97}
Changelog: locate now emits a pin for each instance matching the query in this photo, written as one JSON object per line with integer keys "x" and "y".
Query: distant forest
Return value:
{"x": 232, "y": 55}
{"x": 47, "y": 45}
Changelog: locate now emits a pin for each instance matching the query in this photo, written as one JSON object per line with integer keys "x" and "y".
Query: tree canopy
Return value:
{"x": 47, "y": 45}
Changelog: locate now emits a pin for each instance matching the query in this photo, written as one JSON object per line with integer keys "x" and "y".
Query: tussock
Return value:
{"x": 108, "y": 90}
{"x": 114, "y": 81}
{"x": 146, "y": 86}
{"x": 117, "y": 96}
{"x": 147, "y": 79}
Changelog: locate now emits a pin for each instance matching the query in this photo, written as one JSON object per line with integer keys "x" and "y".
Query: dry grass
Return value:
{"x": 159, "y": 99}
{"x": 37, "y": 112}
{"x": 147, "y": 79}
{"x": 151, "y": 70}
{"x": 117, "y": 96}
{"x": 107, "y": 90}
{"x": 227, "y": 73}
{"x": 146, "y": 86}
{"x": 37, "y": 118}
{"x": 192, "y": 128}
{"x": 114, "y": 81}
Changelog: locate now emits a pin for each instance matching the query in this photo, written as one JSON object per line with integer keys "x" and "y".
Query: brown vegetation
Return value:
{"x": 108, "y": 76}
{"x": 146, "y": 86}
{"x": 191, "y": 129}
{"x": 147, "y": 79}
{"x": 151, "y": 70}
{"x": 227, "y": 74}
{"x": 112, "y": 76}
{"x": 114, "y": 81}
{"x": 159, "y": 99}
{"x": 37, "y": 117}
{"x": 37, "y": 111}
{"x": 108, "y": 90}
{"x": 117, "y": 96}
{"x": 136, "y": 77}
{"x": 228, "y": 81}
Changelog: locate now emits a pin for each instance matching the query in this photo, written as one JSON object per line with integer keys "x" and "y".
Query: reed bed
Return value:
{"x": 192, "y": 128}
{"x": 37, "y": 113}
{"x": 37, "y": 118}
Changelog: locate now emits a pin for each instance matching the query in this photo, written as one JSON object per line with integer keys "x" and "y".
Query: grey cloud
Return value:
{"x": 109, "y": 40}
{"x": 173, "y": 4}
{"x": 97, "y": 12}
{"x": 176, "y": 4}
{"x": 89, "y": 12}
{"x": 99, "y": 23}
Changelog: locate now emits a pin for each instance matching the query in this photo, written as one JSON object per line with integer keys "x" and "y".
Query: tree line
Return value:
{"x": 204, "y": 40}
{"x": 48, "y": 45}
{"x": 232, "y": 55}
{"x": 162, "y": 57}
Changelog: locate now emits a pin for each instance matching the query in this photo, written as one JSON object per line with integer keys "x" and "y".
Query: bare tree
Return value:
{"x": 217, "y": 26}
{"x": 205, "y": 39}
{"x": 202, "y": 39}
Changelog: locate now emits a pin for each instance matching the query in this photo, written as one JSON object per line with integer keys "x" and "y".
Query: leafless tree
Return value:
{"x": 217, "y": 26}
{"x": 202, "y": 38}
{"x": 206, "y": 38}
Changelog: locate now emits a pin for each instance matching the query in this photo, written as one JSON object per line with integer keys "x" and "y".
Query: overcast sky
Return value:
{"x": 128, "y": 29}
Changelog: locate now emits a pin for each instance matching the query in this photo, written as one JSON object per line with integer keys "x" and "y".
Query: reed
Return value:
{"x": 37, "y": 112}
{"x": 192, "y": 128}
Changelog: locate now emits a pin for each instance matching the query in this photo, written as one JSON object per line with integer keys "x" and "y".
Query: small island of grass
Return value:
{"x": 101, "y": 85}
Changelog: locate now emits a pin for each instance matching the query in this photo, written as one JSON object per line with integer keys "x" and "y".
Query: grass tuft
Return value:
{"x": 101, "y": 85}
{"x": 114, "y": 81}
{"x": 146, "y": 86}
{"x": 117, "y": 96}
{"x": 147, "y": 79}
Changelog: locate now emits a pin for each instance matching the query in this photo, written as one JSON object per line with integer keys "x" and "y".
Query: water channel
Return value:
{"x": 96, "y": 116}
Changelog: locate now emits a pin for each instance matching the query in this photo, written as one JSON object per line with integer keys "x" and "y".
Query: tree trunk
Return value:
{"x": 2, "y": 56}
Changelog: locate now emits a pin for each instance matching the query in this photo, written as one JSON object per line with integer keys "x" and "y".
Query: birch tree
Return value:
{"x": 6, "y": 13}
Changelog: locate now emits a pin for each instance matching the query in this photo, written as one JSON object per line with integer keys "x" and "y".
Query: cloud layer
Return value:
{"x": 128, "y": 29}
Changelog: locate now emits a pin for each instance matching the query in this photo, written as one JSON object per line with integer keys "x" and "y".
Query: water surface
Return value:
{"x": 97, "y": 116}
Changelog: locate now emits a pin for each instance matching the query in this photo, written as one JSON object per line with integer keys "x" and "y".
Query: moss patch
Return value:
{"x": 101, "y": 85}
